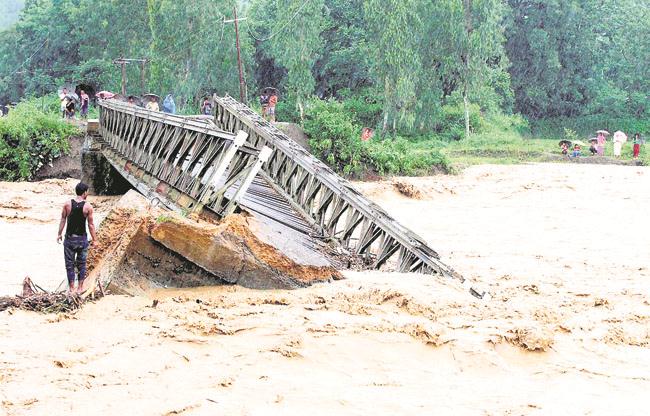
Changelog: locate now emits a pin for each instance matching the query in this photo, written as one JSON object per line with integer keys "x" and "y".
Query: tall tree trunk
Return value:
{"x": 466, "y": 105}
{"x": 469, "y": 28}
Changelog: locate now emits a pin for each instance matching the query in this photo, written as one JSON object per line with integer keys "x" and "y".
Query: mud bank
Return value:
{"x": 140, "y": 248}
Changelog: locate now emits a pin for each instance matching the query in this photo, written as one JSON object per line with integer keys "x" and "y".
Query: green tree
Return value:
{"x": 289, "y": 32}
{"x": 396, "y": 27}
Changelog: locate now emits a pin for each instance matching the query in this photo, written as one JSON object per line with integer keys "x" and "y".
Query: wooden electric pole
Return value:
{"x": 122, "y": 62}
{"x": 242, "y": 82}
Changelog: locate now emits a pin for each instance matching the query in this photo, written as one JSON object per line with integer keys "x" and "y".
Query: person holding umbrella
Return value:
{"x": 600, "y": 142}
{"x": 619, "y": 139}
{"x": 63, "y": 98}
{"x": 564, "y": 146}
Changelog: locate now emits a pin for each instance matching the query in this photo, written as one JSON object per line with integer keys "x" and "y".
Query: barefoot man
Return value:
{"x": 75, "y": 246}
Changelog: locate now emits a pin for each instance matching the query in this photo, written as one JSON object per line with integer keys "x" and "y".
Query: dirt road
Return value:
{"x": 562, "y": 248}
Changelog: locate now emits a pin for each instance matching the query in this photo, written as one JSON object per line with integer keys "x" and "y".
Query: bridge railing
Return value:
{"x": 330, "y": 202}
{"x": 186, "y": 162}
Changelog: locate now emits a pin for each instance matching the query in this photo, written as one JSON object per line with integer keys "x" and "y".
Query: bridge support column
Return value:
{"x": 97, "y": 172}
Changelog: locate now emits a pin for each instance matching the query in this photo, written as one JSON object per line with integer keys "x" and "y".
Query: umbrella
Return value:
{"x": 73, "y": 96}
{"x": 619, "y": 136}
{"x": 269, "y": 89}
{"x": 150, "y": 97}
{"x": 578, "y": 142}
{"x": 605, "y": 132}
{"x": 593, "y": 140}
{"x": 60, "y": 90}
{"x": 567, "y": 142}
{"x": 105, "y": 95}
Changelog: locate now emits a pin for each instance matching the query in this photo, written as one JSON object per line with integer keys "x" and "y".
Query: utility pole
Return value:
{"x": 122, "y": 62}
{"x": 242, "y": 83}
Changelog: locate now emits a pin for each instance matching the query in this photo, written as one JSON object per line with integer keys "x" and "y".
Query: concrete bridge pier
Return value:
{"x": 96, "y": 171}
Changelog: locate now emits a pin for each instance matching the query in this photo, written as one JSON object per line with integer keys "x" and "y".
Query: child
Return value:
{"x": 638, "y": 141}
{"x": 565, "y": 148}
{"x": 576, "y": 151}
{"x": 592, "y": 148}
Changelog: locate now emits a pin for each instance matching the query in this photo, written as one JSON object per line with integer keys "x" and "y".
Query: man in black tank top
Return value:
{"x": 75, "y": 213}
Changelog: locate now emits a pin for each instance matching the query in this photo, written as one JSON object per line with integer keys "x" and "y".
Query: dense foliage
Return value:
{"x": 31, "y": 136}
{"x": 408, "y": 68}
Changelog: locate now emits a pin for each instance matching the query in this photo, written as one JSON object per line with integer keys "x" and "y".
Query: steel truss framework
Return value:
{"x": 328, "y": 201}
{"x": 194, "y": 162}
{"x": 188, "y": 162}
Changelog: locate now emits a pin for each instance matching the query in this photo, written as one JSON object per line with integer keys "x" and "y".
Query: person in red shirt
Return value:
{"x": 270, "y": 110}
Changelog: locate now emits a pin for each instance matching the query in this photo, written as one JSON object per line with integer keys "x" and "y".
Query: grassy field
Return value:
{"x": 511, "y": 148}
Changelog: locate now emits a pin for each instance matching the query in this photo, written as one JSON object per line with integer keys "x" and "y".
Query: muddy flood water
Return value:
{"x": 563, "y": 249}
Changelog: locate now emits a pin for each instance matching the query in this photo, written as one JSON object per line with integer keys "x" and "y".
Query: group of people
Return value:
{"x": 169, "y": 106}
{"x": 68, "y": 102}
{"x": 268, "y": 101}
{"x": 597, "y": 144}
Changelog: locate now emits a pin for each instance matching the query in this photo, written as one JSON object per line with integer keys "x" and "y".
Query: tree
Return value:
{"x": 395, "y": 28}
{"x": 289, "y": 32}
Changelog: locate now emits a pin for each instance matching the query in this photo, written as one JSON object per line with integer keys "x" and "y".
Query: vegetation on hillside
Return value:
{"x": 31, "y": 136}
{"x": 448, "y": 74}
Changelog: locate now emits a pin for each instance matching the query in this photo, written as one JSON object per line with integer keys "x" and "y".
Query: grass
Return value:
{"x": 510, "y": 147}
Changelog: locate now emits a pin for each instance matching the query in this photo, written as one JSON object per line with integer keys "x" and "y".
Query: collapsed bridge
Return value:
{"x": 237, "y": 160}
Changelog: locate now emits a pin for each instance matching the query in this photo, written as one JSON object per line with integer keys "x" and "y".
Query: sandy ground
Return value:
{"x": 562, "y": 248}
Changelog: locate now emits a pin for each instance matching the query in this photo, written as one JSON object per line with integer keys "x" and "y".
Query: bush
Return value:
{"x": 31, "y": 136}
{"x": 336, "y": 139}
{"x": 286, "y": 110}
{"x": 365, "y": 107}
{"x": 333, "y": 137}
{"x": 398, "y": 156}
{"x": 450, "y": 123}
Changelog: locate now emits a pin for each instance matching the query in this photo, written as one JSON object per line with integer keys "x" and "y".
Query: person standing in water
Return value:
{"x": 76, "y": 212}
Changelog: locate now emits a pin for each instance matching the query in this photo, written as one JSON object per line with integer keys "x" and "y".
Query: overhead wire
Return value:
{"x": 273, "y": 34}
{"x": 28, "y": 59}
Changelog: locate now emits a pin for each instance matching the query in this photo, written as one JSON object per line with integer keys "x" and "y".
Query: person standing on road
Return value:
{"x": 153, "y": 105}
{"x": 84, "y": 103}
{"x": 63, "y": 98}
{"x": 273, "y": 100}
{"x": 76, "y": 212}
{"x": 206, "y": 107}
{"x": 638, "y": 141}
{"x": 264, "y": 102}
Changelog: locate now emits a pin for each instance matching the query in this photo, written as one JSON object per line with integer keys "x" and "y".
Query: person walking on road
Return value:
{"x": 76, "y": 212}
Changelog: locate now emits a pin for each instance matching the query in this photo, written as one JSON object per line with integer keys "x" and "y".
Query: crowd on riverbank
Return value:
{"x": 573, "y": 148}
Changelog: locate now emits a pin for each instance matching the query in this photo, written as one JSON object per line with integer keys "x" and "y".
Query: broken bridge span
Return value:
{"x": 236, "y": 159}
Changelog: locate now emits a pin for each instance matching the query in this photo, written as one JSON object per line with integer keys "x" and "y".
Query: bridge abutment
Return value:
{"x": 97, "y": 172}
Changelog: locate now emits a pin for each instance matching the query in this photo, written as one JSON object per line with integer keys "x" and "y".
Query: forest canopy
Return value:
{"x": 403, "y": 62}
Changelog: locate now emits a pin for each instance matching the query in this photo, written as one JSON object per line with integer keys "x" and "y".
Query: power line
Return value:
{"x": 281, "y": 28}
{"x": 28, "y": 59}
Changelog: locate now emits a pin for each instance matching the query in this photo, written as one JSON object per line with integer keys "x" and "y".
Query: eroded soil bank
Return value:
{"x": 140, "y": 248}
